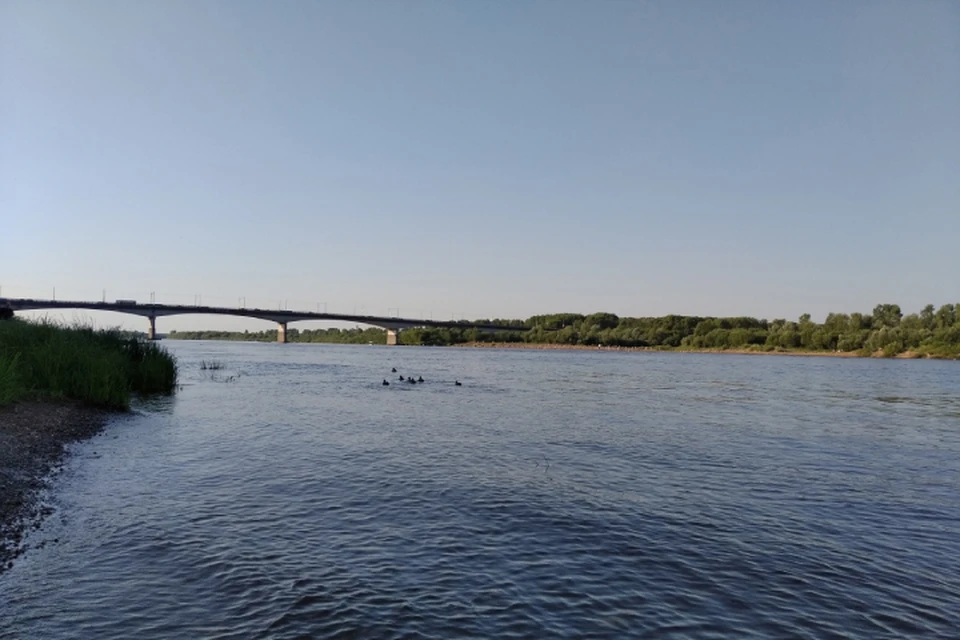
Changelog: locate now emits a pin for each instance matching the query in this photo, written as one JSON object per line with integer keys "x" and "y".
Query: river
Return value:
{"x": 554, "y": 494}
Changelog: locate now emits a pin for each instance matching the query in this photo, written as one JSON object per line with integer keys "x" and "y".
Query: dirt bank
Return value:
{"x": 33, "y": 436}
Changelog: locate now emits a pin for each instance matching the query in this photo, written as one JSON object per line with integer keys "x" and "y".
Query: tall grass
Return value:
{"x": 10, "y": 387}
{"x": 99, "y": 367}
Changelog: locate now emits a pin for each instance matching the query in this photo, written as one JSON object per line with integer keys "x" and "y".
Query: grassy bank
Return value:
{"x": 98, "y": 367}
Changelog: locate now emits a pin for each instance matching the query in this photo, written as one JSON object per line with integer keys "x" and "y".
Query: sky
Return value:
{"x": 481, "y": 159}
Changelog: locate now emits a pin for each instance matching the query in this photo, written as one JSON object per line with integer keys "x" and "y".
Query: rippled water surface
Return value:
{"x": 554, "y": 494}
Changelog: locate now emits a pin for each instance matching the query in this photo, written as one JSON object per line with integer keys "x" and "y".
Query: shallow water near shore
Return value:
{"x": 554, "y": 494}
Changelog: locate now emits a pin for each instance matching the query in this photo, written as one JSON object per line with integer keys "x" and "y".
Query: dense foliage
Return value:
{"x": 45, "y": 360}
{"x": 339, "y": 336}
{"x": 886, "y": 331}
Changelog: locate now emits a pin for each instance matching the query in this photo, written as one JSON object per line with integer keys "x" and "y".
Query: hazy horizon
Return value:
{"x": 481, "y": 160}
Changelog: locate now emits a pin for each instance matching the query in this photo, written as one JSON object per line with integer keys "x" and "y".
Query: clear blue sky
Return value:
{"x": 483, "y": 158}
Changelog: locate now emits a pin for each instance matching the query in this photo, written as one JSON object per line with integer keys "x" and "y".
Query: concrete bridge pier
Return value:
{"x": 392, "y": 337}
{"x": 152, "y": 331}
{"x": 282, "y": 332}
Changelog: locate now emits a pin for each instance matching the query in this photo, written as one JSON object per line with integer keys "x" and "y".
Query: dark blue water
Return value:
{"x": 554, "y": 494}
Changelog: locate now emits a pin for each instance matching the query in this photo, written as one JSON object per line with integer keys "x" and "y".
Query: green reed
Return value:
{"x": 100, "y": 367}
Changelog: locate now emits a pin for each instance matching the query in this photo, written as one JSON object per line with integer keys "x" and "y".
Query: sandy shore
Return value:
{"x": 32, "y": 440}
{"x": 580, "y": 347}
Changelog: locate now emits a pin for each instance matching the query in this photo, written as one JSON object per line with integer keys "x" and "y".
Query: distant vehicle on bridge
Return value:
{"x": 126, "y": 303}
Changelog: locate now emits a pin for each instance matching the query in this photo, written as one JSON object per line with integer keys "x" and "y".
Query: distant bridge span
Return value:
{"x": 281, "y": 316}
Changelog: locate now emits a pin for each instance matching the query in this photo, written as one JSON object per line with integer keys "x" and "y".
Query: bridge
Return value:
{"x": 282, "y": 317}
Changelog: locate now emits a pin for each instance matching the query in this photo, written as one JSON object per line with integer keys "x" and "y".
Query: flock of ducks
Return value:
{"x": 410, "y": 379}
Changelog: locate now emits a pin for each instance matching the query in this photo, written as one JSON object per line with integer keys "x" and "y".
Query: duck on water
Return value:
{"x": 411, "y": 380}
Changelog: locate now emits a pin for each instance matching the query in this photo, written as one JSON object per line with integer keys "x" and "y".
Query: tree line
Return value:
{"x": 887, "y": 331}
{"x": 338, "y": 336}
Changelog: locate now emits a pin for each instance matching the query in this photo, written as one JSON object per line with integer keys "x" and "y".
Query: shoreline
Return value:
{"x": 33, "y": 439}
{"x": 906, "y": 355}
{"x": 535, "y": 346}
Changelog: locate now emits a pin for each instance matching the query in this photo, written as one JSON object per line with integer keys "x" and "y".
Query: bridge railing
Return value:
{"x": 247, "y": 303}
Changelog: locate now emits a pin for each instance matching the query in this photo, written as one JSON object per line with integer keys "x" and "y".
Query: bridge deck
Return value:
{"x": 280, "y": 316}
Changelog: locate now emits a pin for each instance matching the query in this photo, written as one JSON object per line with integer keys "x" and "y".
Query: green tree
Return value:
{"x": 601, "y": 321}
{"x": 946, "y": 316}
{"x": 806, "y": 328}
{"x": 886, "y": 315}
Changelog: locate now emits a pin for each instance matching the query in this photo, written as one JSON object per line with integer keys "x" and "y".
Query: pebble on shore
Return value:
{"x": 32, "y": 440}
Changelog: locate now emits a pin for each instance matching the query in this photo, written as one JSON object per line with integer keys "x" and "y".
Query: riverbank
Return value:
{"x": 752, "y": 352}
{"x": 33, "y": 439}
{"x": 58, "y": 385}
